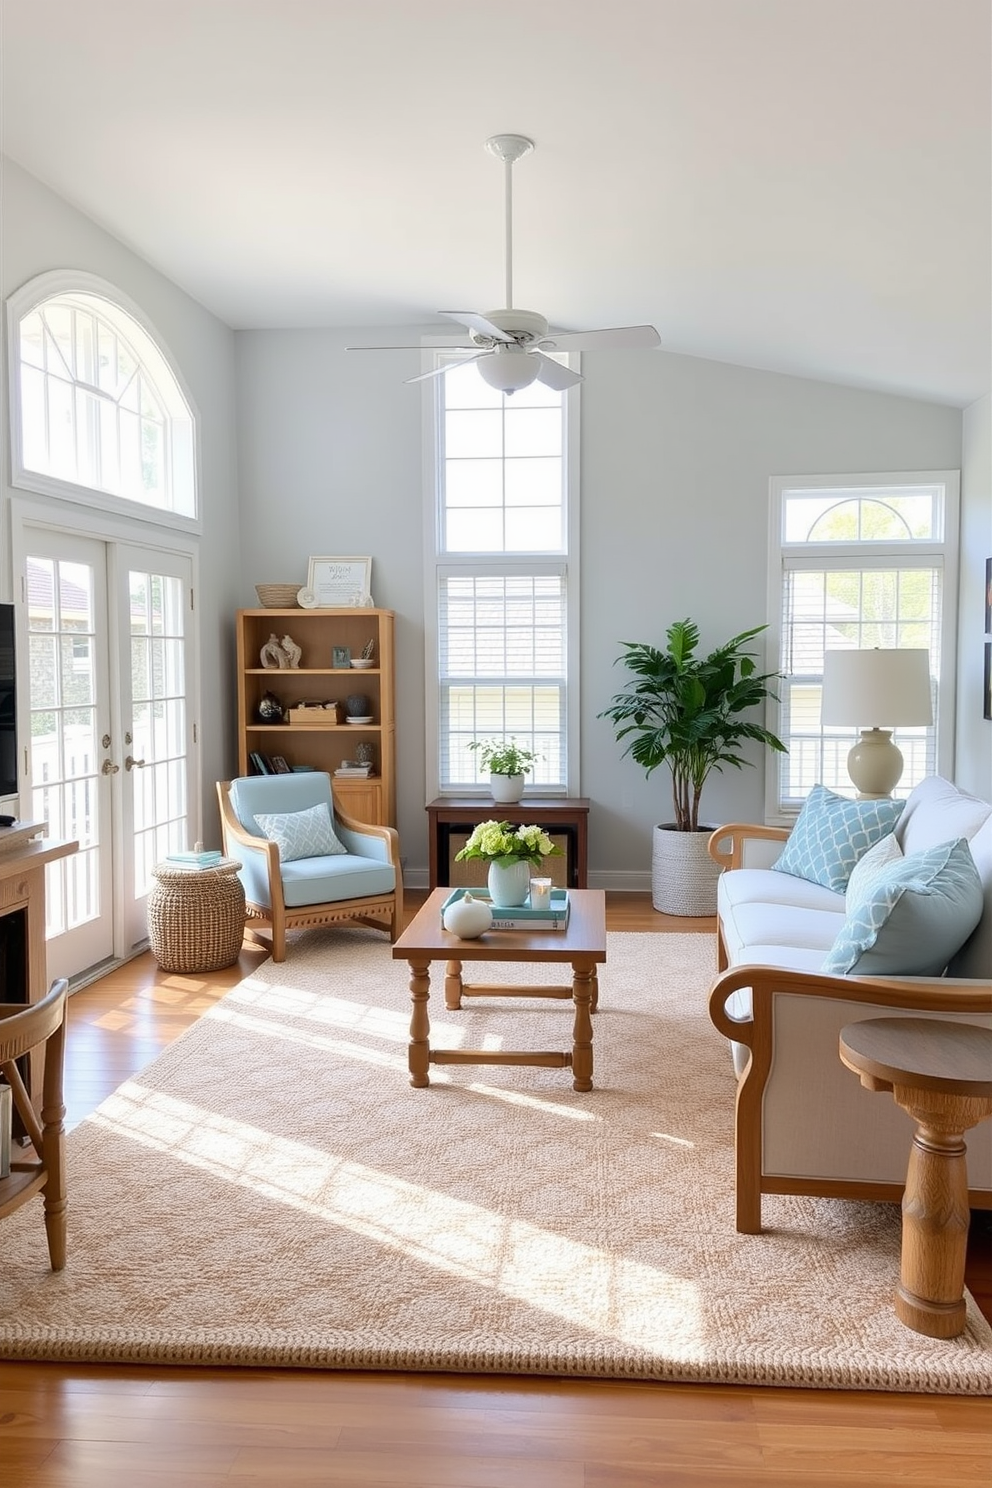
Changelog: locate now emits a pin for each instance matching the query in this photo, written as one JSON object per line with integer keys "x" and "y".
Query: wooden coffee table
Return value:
{"x": 582, "y": 945}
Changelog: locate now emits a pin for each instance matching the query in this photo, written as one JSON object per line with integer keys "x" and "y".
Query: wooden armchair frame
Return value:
{"x": 268, "y": 923}
{"x": 23, "y": 1027}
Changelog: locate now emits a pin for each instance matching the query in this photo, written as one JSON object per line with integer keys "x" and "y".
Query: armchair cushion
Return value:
{"x": 913, "y": 917}
{"x": 301, "y": 834}
{"x": 830, "y": 835}
{"x": 328, "y": 880}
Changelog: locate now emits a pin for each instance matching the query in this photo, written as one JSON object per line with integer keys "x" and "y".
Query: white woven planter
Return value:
{"x": 683, "y": 875}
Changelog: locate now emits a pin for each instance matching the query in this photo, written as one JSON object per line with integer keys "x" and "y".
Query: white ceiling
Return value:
{"x": 797, "y": 185}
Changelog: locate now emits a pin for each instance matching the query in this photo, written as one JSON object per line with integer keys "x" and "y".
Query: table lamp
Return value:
{"x": 892, "y": 686}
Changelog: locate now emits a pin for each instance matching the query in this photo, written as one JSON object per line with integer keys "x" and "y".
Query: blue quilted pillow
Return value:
{"x": 913, "y": 917}
{"x": 832, "y": 833}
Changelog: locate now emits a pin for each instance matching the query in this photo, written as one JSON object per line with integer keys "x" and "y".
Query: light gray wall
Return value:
{"x": 676, "y": 458}
{"x": 973, "y": 755}
{"x": 39, "y": 231}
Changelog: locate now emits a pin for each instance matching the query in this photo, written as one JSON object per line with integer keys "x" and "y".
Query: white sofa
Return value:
{"x": 804, "y": 1124}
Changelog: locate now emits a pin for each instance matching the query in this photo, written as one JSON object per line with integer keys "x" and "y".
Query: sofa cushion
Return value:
{"x": 913, "y": 918}
{"x": 870, "y": 868}
{"x": 830, "y": 835}
{"x": 300, "y": 834}
{"x": 936, "y": 811}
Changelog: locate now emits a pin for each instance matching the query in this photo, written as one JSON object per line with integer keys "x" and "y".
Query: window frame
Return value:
{"x": 438, "y": 563}
{"x": 858, "y": 555}
{"x": 67, "y": 282}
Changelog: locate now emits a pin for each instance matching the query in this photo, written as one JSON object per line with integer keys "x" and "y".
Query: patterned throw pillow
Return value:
{"x": 831, "y": 834}
{"x": 915, "y": 916}
{"x": 869, "y": 868}
{"x": 301, "y": 834}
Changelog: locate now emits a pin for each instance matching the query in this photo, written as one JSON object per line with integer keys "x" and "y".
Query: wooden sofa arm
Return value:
{"x": 732, "y": 855}
{"x": 923, "y": 994}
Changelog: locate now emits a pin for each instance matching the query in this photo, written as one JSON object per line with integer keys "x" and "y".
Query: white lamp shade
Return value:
{"x": 877, "y": 688}
{"x": 509, "y": 368}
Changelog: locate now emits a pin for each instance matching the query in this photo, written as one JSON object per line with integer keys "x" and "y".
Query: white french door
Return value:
{"x": 108, "y": 756}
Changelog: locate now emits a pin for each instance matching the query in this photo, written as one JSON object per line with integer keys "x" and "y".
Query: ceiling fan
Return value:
{"x": 510, "y": 346}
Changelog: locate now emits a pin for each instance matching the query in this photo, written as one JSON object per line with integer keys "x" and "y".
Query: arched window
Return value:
{"x": 98, "y": 407}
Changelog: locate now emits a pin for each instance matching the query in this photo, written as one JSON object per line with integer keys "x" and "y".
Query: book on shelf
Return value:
{"x": 261, "y": 763}
{"x": 358, "y": 772}
{"x": 520, "y": 916}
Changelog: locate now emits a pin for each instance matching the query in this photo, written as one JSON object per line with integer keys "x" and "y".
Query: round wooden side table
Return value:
{"x": 941, "y": 1073}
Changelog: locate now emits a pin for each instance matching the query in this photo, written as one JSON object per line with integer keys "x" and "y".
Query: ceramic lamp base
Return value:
{"x": 875, "y": 764}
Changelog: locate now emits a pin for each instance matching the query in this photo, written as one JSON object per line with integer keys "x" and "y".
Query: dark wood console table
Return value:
{"x": 452, "y": 818}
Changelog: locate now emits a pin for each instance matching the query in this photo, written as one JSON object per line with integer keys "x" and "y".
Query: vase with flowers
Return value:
{"x": 511, "y": 853}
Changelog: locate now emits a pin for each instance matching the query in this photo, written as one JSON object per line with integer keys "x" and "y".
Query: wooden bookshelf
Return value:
{"x": 322, "y": 745}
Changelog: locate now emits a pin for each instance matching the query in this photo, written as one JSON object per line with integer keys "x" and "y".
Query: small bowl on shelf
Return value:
{"x": 362, "y": 663}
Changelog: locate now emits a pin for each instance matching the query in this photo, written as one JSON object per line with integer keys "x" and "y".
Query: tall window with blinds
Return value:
{"x": 503, "y": 574}
{"x": 858, "y": 562}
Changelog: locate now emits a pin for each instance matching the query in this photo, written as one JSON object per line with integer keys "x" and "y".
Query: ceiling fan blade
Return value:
{"x": 615, "y": 336}
{"x": 442, "y": 346}
{"x": 473, "y": 322}
{"x": 446, "y": 367}
{"x": 553, "y": 374}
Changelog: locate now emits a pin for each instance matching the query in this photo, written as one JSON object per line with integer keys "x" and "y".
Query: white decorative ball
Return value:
{"x": 467, "y": 918}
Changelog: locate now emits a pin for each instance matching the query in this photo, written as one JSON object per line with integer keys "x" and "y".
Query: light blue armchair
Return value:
{"x": 363, "y": 883}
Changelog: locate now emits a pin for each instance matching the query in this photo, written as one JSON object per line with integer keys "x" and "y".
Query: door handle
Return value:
{"x": 109, "y": 768}
{"x": 132, "y": 764}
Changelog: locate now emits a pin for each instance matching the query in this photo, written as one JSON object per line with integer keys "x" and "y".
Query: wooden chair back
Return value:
{"x": 24, "y": 1027}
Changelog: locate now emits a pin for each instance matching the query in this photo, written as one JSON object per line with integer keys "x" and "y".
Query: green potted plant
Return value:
{"x": 690, "y": 713}
{"x": 508, "y": 765}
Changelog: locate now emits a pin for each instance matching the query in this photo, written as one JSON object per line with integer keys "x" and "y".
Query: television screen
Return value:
{"x": 8, "y": 704}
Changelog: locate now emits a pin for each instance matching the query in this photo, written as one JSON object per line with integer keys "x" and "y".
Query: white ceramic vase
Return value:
{"x": 508, "y": 884}
{"x": 506, "y": 789}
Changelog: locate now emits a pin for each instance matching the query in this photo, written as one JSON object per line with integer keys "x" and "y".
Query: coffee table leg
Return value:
{"x": 453, "y": 986}
{"x": 420, "y": 1027}
{"x": 583, "y": 986}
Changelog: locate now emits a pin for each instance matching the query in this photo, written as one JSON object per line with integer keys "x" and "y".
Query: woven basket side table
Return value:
{"x": 196, "y": 917}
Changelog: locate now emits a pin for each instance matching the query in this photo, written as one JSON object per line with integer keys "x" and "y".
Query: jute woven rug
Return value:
{"x": 271, "y": 1191}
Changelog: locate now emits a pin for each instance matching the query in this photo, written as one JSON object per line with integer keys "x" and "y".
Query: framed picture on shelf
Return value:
{"x": 339, "y": 582}
{"x": 987, "y": 711}
{"x": 279, "y": 765}
{"x": 340, "y": 657}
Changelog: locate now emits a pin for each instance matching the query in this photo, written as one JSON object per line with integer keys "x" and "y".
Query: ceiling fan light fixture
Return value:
{"x": 508, "y": 369}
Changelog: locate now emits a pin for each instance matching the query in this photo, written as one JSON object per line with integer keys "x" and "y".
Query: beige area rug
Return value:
{"x": 271, "y": 1191}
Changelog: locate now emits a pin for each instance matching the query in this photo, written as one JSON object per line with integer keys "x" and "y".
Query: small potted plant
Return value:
{"x": 511, "y": 853}
{"x": 508, "y": 765}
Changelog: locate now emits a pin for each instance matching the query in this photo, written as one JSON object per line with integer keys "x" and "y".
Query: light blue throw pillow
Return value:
{"x": 301, "y": 834}
{"x": 913, "y": 917}
{"x": 830, "y": 835}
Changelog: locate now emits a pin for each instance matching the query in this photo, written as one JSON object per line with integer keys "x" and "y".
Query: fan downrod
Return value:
{"x": 509, "y": 147}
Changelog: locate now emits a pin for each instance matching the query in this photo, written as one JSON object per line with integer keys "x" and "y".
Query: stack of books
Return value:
{"x": 352, "y": 768}
{"x": 208, "y": 858}
{"x": 520, "y": 917}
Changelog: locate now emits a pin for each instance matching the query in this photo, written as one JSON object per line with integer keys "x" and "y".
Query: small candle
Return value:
{"x": 540, "y": 893}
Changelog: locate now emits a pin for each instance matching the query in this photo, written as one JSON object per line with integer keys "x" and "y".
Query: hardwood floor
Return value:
{"x": 72, "y": 1426}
